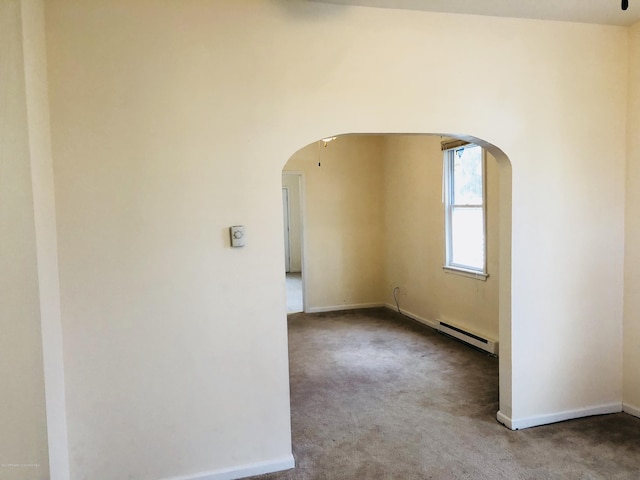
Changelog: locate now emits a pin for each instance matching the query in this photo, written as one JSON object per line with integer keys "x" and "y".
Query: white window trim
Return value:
{"x": 476, "y": 274}
{"x": 450, "y": 267}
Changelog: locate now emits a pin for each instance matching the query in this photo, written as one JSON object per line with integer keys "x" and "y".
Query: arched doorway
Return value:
{"x": 374, "y": 229}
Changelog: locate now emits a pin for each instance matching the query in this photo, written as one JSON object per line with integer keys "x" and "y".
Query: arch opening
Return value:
{"x": 373, "y": 222}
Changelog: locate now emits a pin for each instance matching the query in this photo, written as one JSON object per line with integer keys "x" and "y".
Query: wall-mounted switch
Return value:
{"x": 237, "y": 235}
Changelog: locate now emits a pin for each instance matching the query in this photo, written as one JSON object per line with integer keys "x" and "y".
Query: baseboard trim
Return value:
{"x": 631, "y": 409}
{"x": 242, "y": 471}
{"x": 538, "y": 420}
{"x": 413, "y": 316}
{"x": 504, "y": 420}
{"x": 337, "y": 308}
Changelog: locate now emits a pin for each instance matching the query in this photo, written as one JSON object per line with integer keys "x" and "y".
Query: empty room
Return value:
{"x": 142, "y": 340}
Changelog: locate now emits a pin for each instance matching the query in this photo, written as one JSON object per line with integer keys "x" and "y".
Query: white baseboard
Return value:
{"x": 417, "y": 318}
{"x": 242, "y": 471}
{"x": 337, "y": 308}
{"x": 504, "y": 420}
{"x": 631, "y": 409}
{"x": 537, "y": 420}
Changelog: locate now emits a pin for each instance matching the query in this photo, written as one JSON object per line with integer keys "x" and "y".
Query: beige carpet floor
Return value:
{"x": 376, "y": 396}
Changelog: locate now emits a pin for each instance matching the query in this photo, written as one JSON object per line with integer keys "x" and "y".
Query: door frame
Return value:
{"x": 303, "y": 229}
{"x": 286, "y": 210}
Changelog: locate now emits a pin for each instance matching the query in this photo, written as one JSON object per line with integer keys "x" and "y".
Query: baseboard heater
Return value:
{"x": 472, "y": 339}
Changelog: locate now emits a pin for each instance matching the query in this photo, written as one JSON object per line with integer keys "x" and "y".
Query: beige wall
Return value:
{"x": 414, "y": 223}
{"x": 23, "y": 430}
{"x": 37, "y": 101}
{"x": 632, "y": 239}
{"x": 293, "y": 183}
{"x": 172, "y": 121}
{"x": 375, "y": 221}
{"x": 344, "y": 231}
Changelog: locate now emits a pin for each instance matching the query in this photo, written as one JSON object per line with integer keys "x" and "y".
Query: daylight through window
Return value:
{"x": 465, "y": 208}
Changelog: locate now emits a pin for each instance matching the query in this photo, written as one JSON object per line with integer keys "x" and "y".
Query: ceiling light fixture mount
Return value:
{"x": 327, "y": 140}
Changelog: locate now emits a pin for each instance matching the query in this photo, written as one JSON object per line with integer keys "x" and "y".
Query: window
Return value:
{"x": 465, "y": 209}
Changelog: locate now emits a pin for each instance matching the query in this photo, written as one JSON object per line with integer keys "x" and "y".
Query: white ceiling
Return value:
{"x": 607, "y": 12}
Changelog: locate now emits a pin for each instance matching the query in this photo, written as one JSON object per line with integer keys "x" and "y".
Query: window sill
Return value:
{"x": 466, "y": 273}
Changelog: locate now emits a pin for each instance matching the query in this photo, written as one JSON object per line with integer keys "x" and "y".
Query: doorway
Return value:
{"x": 375, "y": 234}
{"x": 292, "y": 233}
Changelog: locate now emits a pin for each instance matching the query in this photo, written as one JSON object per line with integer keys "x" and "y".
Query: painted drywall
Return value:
{"x": 37, "y": 101}
{"x": 415, "y": 239}
{"x": 23, "y": 427}
{"x": 632, "y": 232}
{"x": 173, "y": 120}
{"x": 292, "y": 181}
{"x": 388, "y": 190}
{"x": 344, "y": 231}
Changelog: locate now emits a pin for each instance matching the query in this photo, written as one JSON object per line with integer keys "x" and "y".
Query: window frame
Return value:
{"x": 449, "y": 207}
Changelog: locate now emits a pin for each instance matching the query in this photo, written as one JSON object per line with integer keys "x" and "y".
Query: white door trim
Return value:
{"x": 303, "y": 229}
